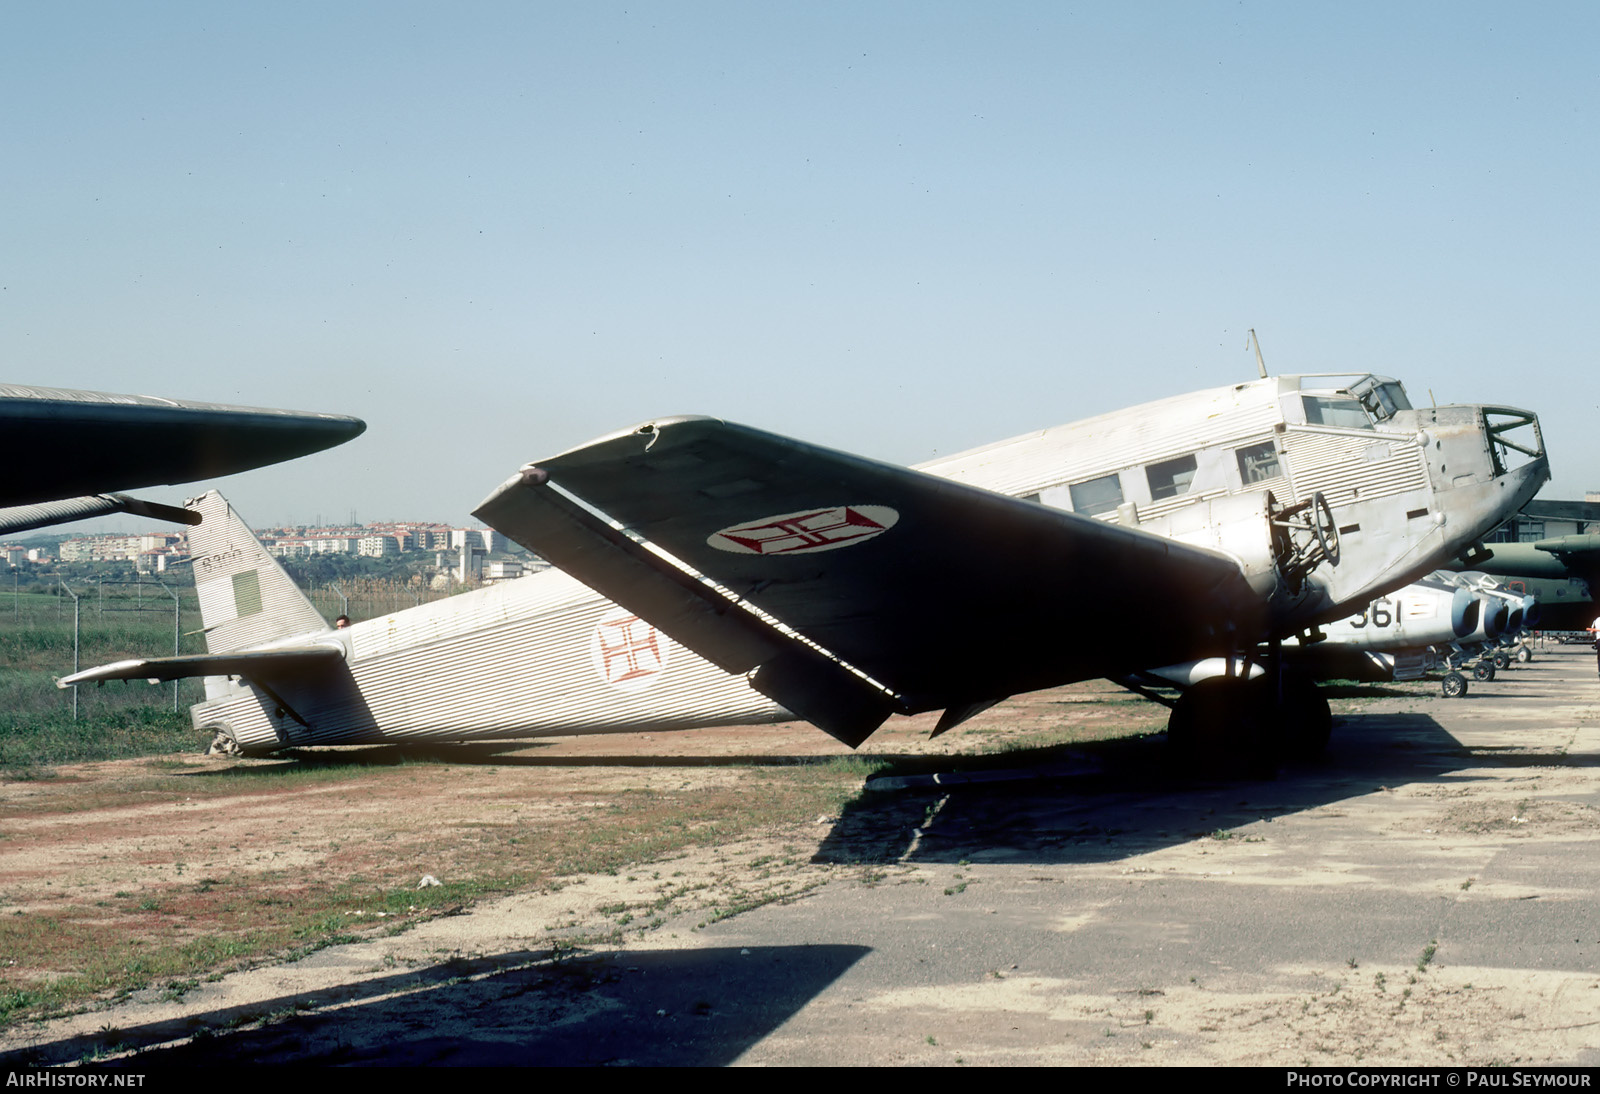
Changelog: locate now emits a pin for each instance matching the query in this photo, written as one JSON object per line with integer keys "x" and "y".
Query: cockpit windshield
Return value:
{"x": 1365, "y": 403}
{"x": 1382, "y": 398}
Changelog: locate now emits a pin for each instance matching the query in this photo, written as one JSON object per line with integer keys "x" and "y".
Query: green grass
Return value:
{"x": 116, "y": 721}
{"x": 29, "y": 743}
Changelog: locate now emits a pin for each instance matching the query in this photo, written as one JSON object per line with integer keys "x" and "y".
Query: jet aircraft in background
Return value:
{"x": 1211, "y": 525}
{"x": 1444, "y": 617}
{"x": 86, "y": 445}
{"x": 1563, "y": 572}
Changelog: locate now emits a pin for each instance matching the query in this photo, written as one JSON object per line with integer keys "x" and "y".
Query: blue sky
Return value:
{"x": 497, "y": 230}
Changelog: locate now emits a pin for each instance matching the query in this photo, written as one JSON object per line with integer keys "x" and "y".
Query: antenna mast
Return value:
{"x": 1261, "y": 366}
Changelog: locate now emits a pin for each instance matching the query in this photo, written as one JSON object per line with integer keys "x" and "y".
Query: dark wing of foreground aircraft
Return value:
{"x": 857, "y": 589}
{"x": 85, "y": 444}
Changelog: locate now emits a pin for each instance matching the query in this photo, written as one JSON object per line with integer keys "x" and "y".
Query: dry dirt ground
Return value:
{"x": 1421, "y": 897}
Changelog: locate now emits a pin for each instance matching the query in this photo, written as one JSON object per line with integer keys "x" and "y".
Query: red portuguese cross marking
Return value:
{"x": 630, "y": 649}
{"x": 805, "y": 531}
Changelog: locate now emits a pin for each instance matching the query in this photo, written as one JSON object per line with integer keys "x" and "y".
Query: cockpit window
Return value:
{"x": 1343, "y": 413}
{"x": 1170, "y": 478}
{"x": 1383, "y": 401}
{"x": 1258, "y": 463}
{"x": 1097, "y": 495}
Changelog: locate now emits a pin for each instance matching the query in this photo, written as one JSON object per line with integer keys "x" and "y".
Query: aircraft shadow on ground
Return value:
{"x": 491, "y": 753}
{"x": 1115, "y": 799}
{"x": 663, "y": 1007}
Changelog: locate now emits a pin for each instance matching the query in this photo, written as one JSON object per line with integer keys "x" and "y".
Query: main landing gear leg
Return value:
{"x": 1279, "y": 715}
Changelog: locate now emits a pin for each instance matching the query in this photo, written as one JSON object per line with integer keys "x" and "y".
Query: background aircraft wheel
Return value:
{"x": 1524, "y": 655}
{"x": 1454, "y": 685}
{"x": 1483, "y": 670}
{"x": 1502, "y": 660}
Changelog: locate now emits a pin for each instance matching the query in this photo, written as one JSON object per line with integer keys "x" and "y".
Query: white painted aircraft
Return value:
{"x": 1210, "y": 525}
{"x": 1398, "y": 636}
{"x": 79, "y": 446}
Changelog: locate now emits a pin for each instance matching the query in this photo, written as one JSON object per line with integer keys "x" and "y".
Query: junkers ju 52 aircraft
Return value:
{"x": 1210, "y": 525}
{"x": 1207, "y": 526}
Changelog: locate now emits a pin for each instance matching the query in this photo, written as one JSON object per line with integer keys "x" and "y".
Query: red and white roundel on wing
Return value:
{"x": 628, "y": 653}
{"x": 807, "y": 531}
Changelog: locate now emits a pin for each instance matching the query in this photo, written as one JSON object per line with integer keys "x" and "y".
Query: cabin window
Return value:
{"x": 1258, "y": 463}
{"x": 1100, "y": 495}
{"x": 1170, "y": 478}
{"x": 1343, "y": 413}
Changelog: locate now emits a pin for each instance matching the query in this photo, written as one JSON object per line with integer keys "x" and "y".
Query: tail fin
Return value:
{"x": 245, "y": 597}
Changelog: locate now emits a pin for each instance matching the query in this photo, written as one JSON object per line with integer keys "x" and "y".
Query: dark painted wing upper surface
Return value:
{"x": 944, "y": 594}
{"x": 89, "y": 442}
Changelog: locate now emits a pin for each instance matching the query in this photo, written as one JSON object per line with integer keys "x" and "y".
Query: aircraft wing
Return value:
{"x": 87, "y": 442}
{"x": 257, "y": 665}
{"x": 855, "y": 588}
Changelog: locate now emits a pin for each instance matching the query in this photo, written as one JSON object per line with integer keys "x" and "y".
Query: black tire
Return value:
{"x": 1483, "y": 670}
{"x": 1454, "y": 685}
{"x": 1219, "y": 722}
{"x": 1502, "y": 660}
{"x": 1303, "y": 721}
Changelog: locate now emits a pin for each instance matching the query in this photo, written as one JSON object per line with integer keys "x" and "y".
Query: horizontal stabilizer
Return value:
{"x": 258, "y": 665}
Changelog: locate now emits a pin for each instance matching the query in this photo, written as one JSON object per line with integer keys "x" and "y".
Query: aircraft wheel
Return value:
{"x": 1218, "y": 721}
{"x": 223, "y": 744}
{"x": 1524, "y": 655}
{"x": 1483, "y": 670}
{"x": 1502, "y": 660}
{"x": 1454, "y": 685}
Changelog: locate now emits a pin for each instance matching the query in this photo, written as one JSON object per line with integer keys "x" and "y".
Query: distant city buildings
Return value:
{"x": 155, "y": 552}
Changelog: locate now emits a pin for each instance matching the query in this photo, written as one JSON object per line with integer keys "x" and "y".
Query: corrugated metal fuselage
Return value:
{"x": 539, "y": 656}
